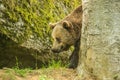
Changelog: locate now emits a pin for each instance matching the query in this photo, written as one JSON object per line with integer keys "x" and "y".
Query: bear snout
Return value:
{"x": 60, "y": 48}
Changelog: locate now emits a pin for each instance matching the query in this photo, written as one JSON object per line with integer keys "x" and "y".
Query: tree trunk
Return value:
{"x": 100, "y": 40}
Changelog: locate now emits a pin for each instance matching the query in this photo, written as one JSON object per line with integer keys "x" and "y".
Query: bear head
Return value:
{"x": 63, "y": 36}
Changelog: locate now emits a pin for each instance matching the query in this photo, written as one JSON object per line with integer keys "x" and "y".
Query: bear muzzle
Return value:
{"x": 56, "y": 50}
{"x": 60, "y": 49}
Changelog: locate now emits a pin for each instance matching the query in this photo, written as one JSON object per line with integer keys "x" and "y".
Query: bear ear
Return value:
{"x": 52, "y": 25}
{"x": 67, "y": 25}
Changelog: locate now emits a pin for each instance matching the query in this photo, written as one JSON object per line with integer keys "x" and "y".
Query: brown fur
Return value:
{"x": 66, "y": 33}
{"x": 76, "y": 19}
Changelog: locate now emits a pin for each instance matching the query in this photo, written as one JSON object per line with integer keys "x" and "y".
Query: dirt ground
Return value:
{"x": 40, "y": 74}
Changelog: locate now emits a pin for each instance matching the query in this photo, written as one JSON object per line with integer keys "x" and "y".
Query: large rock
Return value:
{"x": 24, "y": 34}
{"x": 25, "y": 37}
{"x": 100, "y": 44}
{"x": 26, "y": 55}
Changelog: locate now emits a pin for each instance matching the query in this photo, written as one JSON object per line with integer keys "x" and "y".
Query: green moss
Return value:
{"x": 22, "y": 18}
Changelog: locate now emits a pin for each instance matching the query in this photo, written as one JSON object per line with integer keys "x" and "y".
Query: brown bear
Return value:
{"x": 66, "y": 33}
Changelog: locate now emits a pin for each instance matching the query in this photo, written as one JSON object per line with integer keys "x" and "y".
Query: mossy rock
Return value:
{"x": 24, "y": 31}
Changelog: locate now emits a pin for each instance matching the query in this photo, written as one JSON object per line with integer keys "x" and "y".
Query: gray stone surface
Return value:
{"x": 100, "y": 44}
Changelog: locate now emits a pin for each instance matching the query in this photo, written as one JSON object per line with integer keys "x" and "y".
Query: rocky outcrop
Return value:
{"x": 13, "y": 54}
{"x": 100, "y": 44}
{"x": 25, "y": 39}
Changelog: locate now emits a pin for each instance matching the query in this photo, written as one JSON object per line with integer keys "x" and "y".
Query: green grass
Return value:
{"x": 44, "y": 77}
{"x": 22, "y": 72}
{"x": 55, "y": 64}
{"x": 19, "y": 71}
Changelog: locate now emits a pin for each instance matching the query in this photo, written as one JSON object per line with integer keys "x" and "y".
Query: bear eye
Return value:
{"x": 58, "y": 40}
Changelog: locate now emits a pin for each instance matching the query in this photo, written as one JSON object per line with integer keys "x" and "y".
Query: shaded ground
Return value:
{"x": 41, "y": 74}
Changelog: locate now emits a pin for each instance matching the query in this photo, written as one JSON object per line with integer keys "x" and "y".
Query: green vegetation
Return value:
{"x": 16, "y": 71}
{"x": 11, "y": 74}
{"x": 44, "y": 77}
{"x": 40, "y": 74}
{"x": 22, "y": 18}
{"x": 24, "y": 30}
{"x": 54, "y": 70}
{"x": 22, "y": 72}
{"x": 55, "y": 64}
